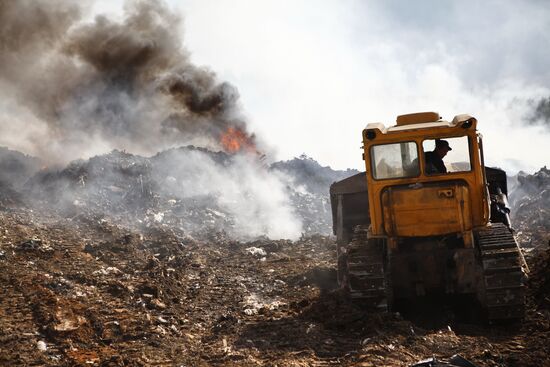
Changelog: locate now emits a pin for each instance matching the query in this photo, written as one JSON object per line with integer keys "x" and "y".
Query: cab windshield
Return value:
{"x": 398, "y": 160}
{"x": 446, "y": 155}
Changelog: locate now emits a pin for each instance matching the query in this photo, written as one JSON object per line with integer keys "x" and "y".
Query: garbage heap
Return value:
{"x": 530, "y": 200}
{"x": 309, "y": 190}
{"x": 15, "y": 170}
{"x": 164, "y": 189}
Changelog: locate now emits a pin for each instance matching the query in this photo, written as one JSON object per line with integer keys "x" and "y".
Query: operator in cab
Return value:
{"x": 434, "y": 159}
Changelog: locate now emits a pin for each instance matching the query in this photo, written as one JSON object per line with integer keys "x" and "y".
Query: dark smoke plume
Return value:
{"x": 72, "y": 89}
{"x": 541, "y": 113}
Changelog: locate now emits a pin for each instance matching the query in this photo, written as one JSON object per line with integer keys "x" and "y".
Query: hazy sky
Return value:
{"x": 312, "y": 73}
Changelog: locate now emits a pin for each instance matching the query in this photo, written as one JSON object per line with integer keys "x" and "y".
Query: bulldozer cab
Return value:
{"x": 413, "y": 192}
{"x": 427, "y": 218}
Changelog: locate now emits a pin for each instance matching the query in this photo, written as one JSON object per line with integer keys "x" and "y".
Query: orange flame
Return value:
{"x": 235, "y": 140}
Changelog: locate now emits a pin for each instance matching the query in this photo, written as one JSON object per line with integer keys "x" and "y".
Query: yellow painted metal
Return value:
{"x": 434, "y": 210}
{"x": 416, "y": 118}
{"x": 457, "y": 204}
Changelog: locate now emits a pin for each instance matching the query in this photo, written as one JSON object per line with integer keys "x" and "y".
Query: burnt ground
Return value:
{"x": 88, "y": 291}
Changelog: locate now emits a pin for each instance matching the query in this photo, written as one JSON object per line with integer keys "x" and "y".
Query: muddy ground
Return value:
{"x": 86, "y": 291}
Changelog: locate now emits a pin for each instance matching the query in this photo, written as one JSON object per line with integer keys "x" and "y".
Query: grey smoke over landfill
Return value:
{"x": 73, "y": 89}
{"x": 541, "y": 114}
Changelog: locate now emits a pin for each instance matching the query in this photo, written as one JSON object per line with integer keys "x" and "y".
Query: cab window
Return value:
{"x": 446, "y": 155}
{"x": 396, "y": 160}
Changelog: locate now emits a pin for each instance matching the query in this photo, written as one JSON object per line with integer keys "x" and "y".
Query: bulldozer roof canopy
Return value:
{"x": 458, "y": 120}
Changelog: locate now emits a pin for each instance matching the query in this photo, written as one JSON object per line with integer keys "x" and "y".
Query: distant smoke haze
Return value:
{"x": 541, "y": 112}
{"x": 314, "y": 73}
{"x": 73, "y": 89}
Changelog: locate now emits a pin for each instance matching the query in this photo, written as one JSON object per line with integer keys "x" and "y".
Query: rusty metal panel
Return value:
{"x": 427, "y": 210}
{"x": 350, "y": 185}
{"x": 350, "y": 205}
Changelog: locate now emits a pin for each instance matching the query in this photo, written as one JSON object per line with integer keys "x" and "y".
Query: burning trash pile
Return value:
{"x": 128, "y": 84}
{"x": 190, "y": 188}
{"x": 117, "y": 182}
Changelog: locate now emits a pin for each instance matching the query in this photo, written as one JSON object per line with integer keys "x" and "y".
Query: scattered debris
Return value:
{"x": 260, "y": 252}
{"x": 104, "y": 279}
{"x": 41, "y": 346}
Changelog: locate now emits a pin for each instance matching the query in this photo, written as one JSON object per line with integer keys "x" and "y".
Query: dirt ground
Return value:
{"x": 86, "y": 291}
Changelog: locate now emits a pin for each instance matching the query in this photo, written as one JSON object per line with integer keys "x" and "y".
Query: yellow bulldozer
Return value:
{"x": 427, "y": 217}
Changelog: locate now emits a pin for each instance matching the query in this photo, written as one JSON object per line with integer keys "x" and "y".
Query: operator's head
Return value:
{"x": 442, "y": 147}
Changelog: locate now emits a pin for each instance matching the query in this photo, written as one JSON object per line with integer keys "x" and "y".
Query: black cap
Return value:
{"x": 439, "y": 143}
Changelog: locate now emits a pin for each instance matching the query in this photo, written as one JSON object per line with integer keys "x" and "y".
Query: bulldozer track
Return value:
{"x": 366, "y": 277}
{"x": 503, "y": 273}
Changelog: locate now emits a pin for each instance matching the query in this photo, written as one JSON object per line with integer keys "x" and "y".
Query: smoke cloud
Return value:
{"x": 74, "y": 89}
{"x": 541, "y": 113}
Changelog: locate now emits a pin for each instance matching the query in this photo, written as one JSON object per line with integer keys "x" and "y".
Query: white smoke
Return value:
{"x": 244, "y": 188}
